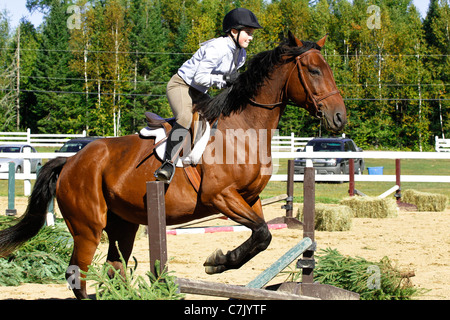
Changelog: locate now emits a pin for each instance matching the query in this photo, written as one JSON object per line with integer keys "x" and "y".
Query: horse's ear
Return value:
{"x": 321, "y": 42}
{"x": 293, "y": 41}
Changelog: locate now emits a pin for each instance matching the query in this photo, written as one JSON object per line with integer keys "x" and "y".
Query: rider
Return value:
{"x": 215, "y": 63}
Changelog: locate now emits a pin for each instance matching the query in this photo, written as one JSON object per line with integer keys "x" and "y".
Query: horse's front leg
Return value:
{"x": 231, "y": 204}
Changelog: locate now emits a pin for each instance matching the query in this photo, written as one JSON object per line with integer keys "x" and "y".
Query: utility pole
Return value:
{"x": 18, "y": 81}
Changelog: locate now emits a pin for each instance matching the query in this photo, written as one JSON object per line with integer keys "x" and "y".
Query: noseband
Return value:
{"x": 315, "y": 99}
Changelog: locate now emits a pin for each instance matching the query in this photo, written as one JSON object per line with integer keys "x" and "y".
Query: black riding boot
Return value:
{"x": 173, "y": 147}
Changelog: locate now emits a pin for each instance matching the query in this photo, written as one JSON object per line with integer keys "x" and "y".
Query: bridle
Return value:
{"x": 315, "y": 99}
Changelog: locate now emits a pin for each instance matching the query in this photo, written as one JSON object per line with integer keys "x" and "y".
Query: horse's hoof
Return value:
{"x": 214, "y": 259}
{"x": 214, "y": 270}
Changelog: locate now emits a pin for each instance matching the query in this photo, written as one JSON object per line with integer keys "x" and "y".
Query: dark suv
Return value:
{"x": 331, "y": 165}
{"x": 76, "y": 145}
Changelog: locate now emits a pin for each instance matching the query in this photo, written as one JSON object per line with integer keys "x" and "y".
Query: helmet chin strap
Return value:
{"x": 236, "y": 41}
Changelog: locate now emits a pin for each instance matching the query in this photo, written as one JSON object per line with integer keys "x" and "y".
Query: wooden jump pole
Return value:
{"x": 156, "y": 219}
{"x": 309, "y": 208}
{"x": 235, "y": 292}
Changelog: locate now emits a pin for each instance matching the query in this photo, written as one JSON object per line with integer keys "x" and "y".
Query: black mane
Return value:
{"x": 236, "y": 97}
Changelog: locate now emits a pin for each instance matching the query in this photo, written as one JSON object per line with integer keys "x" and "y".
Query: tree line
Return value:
{"x": 98, "y": 65}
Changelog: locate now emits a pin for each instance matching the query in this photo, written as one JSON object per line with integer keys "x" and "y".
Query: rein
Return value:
{"x": 315, "y": 99}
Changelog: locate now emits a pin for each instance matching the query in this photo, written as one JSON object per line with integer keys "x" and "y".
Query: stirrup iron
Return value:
{"x": 166, "y": 172}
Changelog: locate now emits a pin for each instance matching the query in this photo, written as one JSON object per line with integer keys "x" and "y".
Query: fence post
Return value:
{"x": 156, "y": 217}
{"x": 351, "y": 176}
{"x": 309, "y": 195}
{"x": 11, "y": 211}
{"x": 290, "y": 190}
{"x": 28, "y": 135}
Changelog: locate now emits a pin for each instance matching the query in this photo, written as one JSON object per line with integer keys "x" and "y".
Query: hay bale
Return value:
{"x": 330, "y": 217}
{"x": 425, "y": 201}
{"x": 371, "y": 207}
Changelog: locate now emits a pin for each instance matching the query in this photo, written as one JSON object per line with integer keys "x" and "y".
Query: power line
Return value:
{"x": 163, "y": 95}
{"x": 375, "y": 55}
{"x": 165, "y": 82}
{"x": 92, "y": 80}
{"x": 89, "y": 93}
{"x": 101, "y": 51}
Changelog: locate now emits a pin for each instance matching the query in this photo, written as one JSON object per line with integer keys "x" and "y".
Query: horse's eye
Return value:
{"x": 314, "y": 71}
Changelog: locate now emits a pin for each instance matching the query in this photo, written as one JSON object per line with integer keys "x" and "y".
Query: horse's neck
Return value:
{"x": 265, "y": 111}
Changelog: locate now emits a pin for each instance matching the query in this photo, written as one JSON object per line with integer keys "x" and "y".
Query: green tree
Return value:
{"x": 51, "y": 105}
{"x": 8, "y": 76}
{"x": 151, "y": 63}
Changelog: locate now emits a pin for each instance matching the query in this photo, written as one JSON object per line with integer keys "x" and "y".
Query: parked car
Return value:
{"x": 76, "y": 145}
{"x": 331, "y": 165}
{"x": 18, "y": 163}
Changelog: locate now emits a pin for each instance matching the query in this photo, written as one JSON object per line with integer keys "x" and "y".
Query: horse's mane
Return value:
{"x": 236, "y": 98}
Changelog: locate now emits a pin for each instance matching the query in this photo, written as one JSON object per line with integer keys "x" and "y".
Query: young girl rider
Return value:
{"x": 214, "y": 64}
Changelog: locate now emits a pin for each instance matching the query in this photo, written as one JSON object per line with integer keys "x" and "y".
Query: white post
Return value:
{"x": 292, "y": 142}
{"x": 28, "y": 135}
{"x": 309, "y": 163}
{"x": 27, "y": 172}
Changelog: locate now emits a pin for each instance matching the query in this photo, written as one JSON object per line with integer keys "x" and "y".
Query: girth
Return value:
{"x": 154, "y": 121}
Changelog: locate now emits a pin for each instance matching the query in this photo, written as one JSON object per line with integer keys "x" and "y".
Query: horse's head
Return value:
{"x": 311, "y": 84}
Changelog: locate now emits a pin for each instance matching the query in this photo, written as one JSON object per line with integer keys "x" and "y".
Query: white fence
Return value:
{"x": 288, "y": 143}
{"x": 27, "y": 176}
{"x": 279, "y": 143}
{"x": 38, "y": 140}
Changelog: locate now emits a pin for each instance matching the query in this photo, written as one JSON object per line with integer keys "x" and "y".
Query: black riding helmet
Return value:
{"x": 238, "y": 19}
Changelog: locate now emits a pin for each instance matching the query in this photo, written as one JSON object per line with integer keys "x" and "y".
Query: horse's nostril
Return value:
{"x": 338, "y": 119}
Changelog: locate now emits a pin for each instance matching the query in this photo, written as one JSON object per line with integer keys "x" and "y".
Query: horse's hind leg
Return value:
{"x": 121, "y": 235}
{"x": 86, "y": 220}
{"x": 231, "y": 204}
{"x": 85, "y": 241}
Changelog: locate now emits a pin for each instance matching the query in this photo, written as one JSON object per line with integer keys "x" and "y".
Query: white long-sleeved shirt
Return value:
{"x": 208, "y": 65}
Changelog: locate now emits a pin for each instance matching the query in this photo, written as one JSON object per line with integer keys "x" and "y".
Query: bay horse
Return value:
{"x": 103, "y": 186}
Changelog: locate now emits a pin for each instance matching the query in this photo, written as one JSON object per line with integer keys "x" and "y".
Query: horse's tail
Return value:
{"x": 32, "y": 221}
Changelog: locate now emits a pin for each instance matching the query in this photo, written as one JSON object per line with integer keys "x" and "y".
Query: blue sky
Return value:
{"x": 17, "y": 10}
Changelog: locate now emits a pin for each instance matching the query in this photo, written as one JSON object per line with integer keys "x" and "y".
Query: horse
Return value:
{"x": 103, "y": 186}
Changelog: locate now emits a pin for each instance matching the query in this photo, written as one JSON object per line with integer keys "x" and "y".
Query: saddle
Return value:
{"x": 198, "y": 125}
{"x": 159, "y": 128}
